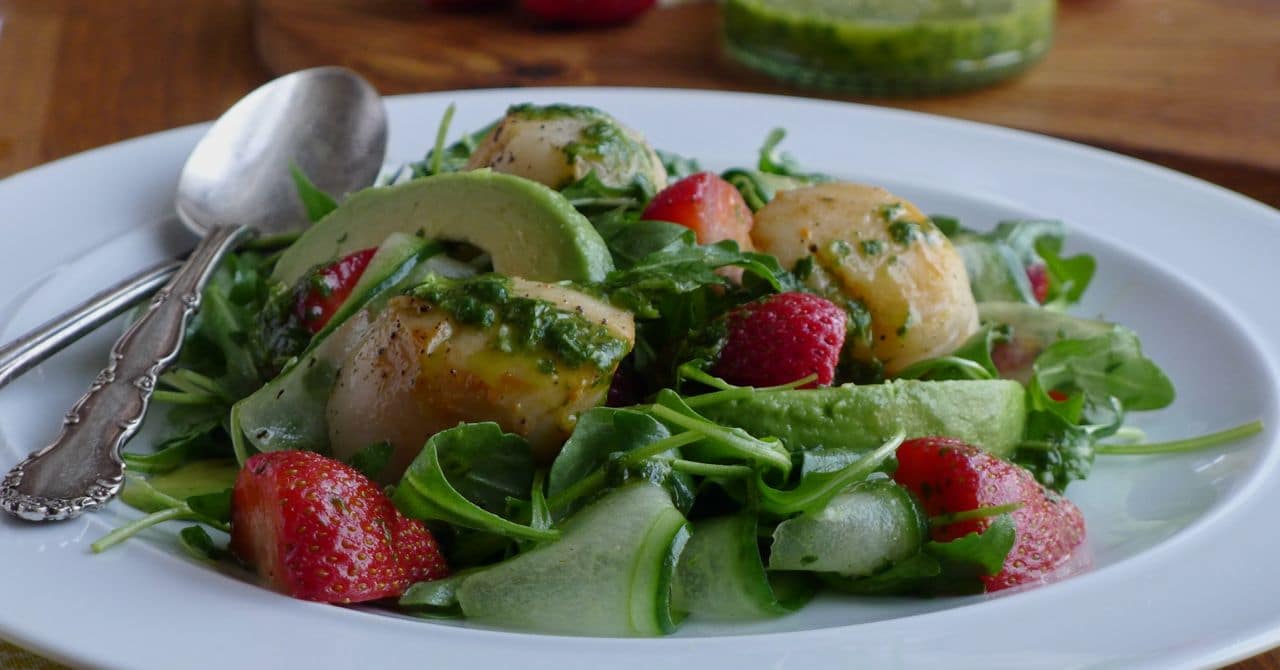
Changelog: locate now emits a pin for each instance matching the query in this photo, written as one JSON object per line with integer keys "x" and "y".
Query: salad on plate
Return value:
{"x": 552, "y": 379}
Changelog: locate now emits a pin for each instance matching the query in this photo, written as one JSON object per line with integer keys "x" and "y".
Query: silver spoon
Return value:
{"x": 329, "y": 122}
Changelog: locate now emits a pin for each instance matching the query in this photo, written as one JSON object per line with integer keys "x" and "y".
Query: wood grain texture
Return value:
{"x": 1192, "y": 84}
{"x": 28, "y": 58}
{"x": 77, "y": 74}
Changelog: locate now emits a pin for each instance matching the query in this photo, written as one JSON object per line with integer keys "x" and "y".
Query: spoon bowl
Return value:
{"x": 328, "y": 122}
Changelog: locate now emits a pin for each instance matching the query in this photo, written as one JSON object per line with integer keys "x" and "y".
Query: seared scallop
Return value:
{"x": 880, "y": 250}
{"x": 527, "y": 355}
{"x": 557, "y": 145}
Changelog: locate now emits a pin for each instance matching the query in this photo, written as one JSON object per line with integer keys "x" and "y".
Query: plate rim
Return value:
{"x": 1251, "y": 642}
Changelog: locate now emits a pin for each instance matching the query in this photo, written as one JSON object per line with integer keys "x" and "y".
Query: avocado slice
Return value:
{"x": 986, "y": 413}
{"x": 528, "y": 229}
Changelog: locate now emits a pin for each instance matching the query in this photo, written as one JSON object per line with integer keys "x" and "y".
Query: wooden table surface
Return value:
{"x": 1190, "y": 84}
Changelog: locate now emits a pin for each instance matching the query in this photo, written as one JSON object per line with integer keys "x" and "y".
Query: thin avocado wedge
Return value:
{"x": 609, "y": 574}
{"x": 988, "y": 413}
{"x": 528, "y": 229}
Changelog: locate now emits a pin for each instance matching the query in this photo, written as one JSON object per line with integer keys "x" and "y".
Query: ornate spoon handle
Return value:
{"x": 82, "y": 469}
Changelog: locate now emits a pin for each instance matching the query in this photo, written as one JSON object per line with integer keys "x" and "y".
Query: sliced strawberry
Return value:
{"x": 417, "y": 550}
{"x": 317, "y": 529}
{"x": 706, "y": 204}
{"x": 1039, "y": 278}
{"x": 329, "y": 287}
{"x": 782, "y": 338}
{"x": 463, "y": 5}
{"x": 949, "y": 476}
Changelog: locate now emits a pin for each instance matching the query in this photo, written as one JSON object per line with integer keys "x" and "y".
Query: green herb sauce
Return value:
{"x": 522, "y": 324}
{"x": 904, "y": 232}
{"x": 890, "y": 47}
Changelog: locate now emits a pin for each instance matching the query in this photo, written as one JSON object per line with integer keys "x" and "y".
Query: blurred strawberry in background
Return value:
{"x": 587, "y": 12}
{"x": 465, "y": 5}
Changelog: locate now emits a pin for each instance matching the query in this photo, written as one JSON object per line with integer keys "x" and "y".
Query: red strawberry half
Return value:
{"x": 317, "y": 529}
{"x": 706, "y": 204}
{"x": 1039, "y": 278}
{"x": 782, "y": 338}
{"x": 329, "y": 287}
{"x": 949, "y": 476}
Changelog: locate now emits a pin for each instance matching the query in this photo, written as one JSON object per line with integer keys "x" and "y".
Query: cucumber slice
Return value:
{"x": 608, "y": 575}
{"x": 871, "y": 525}
{"x": 288, "y": 412}
{"x": 988, "y": 413}
{"x": 720, "y": 575}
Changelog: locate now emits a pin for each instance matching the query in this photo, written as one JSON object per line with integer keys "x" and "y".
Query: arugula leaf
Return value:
{"x": 590, "y": 193}
{"x": 600, "y": 432}
{"x": 438, "y": 597}
{"x": 816, "y": 489}
{"x": 196, "y": 542}
{"x": 197, "y": 478}
{"x": 160, "y": 506}
{"x": 1055, "y": 450}
{"x": 1196, "y": 443}
{"x": 139, "y": 494}
{"x": 760, "y": 188}
{"x": 1095, "y": 380}
{"x": 437, "y": 157}
{"x": 240, "y": 338}
{"x": 677, "y": 166}
{"x": 195, "y": 443}
{"x": 1068, "y": 277}
{"x": 684, "y": 268}
{"x": 632, "y": 242}
{"x": 373, "y": 459}
{"x": 610, "y": 447}
{"x": 620, "y": 471}
{"x": 977, "y": 553}
{"x": 675, "y": 291}
{"x": 539, "y": 512}
{"x": 971, "y": 361}
{"x": 317, "y": 203}
{"x": 996, "y": 272}
{"x": 773, "y": 161}
{"x": 997, "y": 261}
{"x": 1102, "y": 367}
{"x": 464, "y": 476}
{"x": 774, "y": 172}
{"x": 216, "y": 506}
{"x": 719, "y": 442}
{"x": 949, "y": 225}
{"x": 452, "y": 158}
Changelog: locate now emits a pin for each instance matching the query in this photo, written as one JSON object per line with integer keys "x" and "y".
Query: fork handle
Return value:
{"x": 82, "y": 469}
{"x": 54, "y": 335}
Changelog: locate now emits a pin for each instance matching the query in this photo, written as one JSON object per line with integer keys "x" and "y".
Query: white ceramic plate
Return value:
{"x": 1183, "y": 546}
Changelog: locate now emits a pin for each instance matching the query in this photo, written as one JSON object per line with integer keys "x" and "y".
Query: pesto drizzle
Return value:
{"x": 524, "y": 324}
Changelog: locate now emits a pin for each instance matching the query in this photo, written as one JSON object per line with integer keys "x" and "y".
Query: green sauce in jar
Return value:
{"x": 889, "y": 47}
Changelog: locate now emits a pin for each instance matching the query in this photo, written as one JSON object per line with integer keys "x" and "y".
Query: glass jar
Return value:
{"x": 889, "y": 47}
